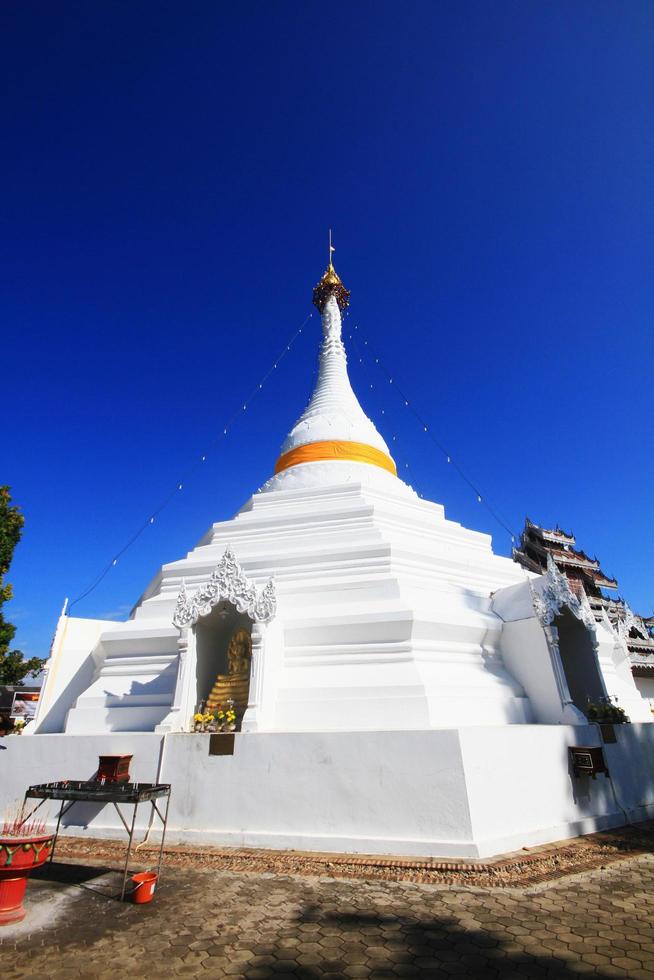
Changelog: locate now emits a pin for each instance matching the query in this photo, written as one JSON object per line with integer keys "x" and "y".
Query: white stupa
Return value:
{"x": 383, "y": 612}
{"x": 392, "y": 655}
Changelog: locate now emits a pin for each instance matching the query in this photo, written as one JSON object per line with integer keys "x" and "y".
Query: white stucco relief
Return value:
{"x": 228, "y": 583}
{"x": 550, "y": 595}
{"x": 556, "y": 594}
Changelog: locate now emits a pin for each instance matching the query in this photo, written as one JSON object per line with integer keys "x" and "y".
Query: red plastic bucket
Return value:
{"x": 145, "y": 883}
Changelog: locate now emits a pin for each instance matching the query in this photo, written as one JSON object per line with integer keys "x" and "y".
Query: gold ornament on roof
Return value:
{"x": 330, "y": 284}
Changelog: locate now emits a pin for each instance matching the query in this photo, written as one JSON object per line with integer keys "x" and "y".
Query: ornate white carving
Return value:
{"x": 626, "y": 623}
{"x": 181, "y": 608}
{"x": 606, "y": 622}
{"x": 587, "y": 616}
{"x": 228, "y": 582}
{"x": 555, "y": 594}
{"x": 550, "y": 594}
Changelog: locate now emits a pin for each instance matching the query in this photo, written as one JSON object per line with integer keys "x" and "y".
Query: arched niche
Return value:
{"x": 208, "y": 619}
{"x": 577, "y": 649}
{"x": 571, "y": 633}
{"x": 223, "y": 644}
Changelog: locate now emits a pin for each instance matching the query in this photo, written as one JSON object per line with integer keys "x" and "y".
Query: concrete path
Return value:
{"x": 209, "y": 924}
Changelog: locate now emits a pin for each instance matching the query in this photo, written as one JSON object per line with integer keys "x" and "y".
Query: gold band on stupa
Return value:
{"x": 335, "y": 449}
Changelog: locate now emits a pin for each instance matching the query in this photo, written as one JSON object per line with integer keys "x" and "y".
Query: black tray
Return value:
{"x": 92, "y": 791}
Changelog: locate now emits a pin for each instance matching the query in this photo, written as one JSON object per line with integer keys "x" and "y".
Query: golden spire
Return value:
{"x": 330, "y": 284}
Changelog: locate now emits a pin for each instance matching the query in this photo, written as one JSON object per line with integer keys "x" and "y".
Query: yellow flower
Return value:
{"x": 198, "y": 717}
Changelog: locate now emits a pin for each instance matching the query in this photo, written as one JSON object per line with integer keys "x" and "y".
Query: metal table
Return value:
{"x": 71, "y": 791}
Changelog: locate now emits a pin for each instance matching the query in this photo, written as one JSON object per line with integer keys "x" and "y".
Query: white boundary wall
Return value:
{"x": 466, "y": 792}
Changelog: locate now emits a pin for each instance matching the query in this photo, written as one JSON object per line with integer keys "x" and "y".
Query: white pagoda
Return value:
{"x": 399, "y": 687}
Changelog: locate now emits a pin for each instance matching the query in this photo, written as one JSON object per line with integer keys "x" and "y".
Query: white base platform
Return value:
{"x": 457, "y": 792}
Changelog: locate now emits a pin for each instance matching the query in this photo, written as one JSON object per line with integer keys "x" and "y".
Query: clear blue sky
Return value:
{"x": 169, "y": 171}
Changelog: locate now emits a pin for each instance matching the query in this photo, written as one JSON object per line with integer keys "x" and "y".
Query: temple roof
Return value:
{"x": 537, "y": 542}
{"x": 549, "y": 534}
{"x": 585, "y": 574}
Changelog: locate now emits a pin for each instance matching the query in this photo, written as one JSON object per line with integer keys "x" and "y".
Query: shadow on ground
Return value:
{"x": 105, "y": 882}
{"x": 69, "y": 874}
{"x": 403, "y": 946}
{"x": 256, "y": 927}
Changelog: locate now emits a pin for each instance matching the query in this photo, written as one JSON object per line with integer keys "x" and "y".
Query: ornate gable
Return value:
{"x": 228, "y": 582}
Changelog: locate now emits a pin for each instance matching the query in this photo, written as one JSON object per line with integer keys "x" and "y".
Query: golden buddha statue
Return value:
{"x": 235, "y": 685}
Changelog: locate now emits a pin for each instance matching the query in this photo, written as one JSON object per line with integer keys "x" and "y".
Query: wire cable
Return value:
{"x": 481, "y": 498}
{"x": 179, "y": 486}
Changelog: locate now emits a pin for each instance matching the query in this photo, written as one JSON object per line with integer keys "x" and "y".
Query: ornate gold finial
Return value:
{"x": 330, "y": 284}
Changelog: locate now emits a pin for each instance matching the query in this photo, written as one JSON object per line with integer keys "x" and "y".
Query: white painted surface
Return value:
{"x": 338, "y": 472}
{"x": 616, "y": 670}
{"x": 333, "y": 411}
{"x": 645, "y": 686}
{"x": 533, "y": 653}
{"x": 133, "y": 683}
{"x": 521, "y": 791}
{"x": 49, "y": 758}
{"x": 366, "y": 791}
{"x": 527, "y": 656}
{"x": 452, "y": 792}
{"x": 631, "y": 762}
{"x": 70, "y": 669}
{"x": 383, "y": 620}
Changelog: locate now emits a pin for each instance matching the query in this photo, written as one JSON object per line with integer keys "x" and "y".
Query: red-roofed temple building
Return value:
{"x": 584, "y": 574}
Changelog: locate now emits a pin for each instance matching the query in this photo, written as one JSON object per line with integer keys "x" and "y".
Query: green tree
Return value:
{"x": 13, "y": 667}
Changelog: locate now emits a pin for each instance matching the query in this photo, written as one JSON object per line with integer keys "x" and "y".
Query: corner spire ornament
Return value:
{"x": 330, "y": 285}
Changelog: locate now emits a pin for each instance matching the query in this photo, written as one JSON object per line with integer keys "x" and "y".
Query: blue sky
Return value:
{"x": 169, "y": 172}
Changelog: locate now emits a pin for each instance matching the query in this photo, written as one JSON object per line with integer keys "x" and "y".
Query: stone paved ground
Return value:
{"x": 217, "y": 924}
